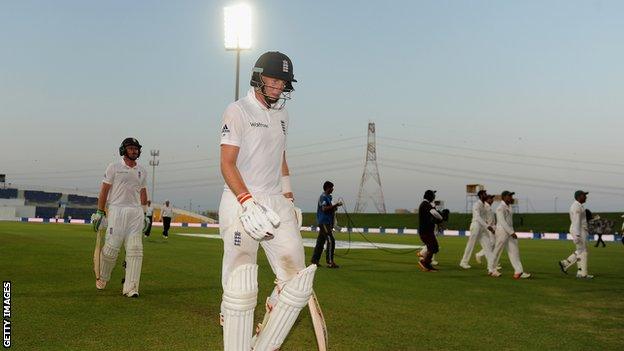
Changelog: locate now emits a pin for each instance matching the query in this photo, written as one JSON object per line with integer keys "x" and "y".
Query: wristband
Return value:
{"x": 286, "y": 187}
{"x": 242, "y": 197}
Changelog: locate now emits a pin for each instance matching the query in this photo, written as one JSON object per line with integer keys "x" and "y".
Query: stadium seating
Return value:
{"x": 78, "y": 200}
{"x": 41, "y": 197}
{"x": 45, "y": 212}
{"x": 8, "y": 193}
{"x": 78, "y": 213}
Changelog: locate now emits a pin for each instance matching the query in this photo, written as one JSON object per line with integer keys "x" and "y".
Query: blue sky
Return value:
{"x": 514, "y": 95}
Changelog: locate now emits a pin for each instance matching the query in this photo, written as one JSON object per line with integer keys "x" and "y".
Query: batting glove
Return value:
{"x": 298, "y": 213}
{"x": 257, "y": 220}
{"x": 98, "y": 220}
{"x": 146, "y": 223}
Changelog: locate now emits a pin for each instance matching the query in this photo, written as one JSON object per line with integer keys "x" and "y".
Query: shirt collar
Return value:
{"x": 251, "y": 94}
{"x": 123, "y": 163}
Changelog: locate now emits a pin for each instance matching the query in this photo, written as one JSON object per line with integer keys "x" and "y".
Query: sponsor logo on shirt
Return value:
{"x": 225, "y": 130}
{"x": 258, "y": 124}
{"x": 283, "y": 123}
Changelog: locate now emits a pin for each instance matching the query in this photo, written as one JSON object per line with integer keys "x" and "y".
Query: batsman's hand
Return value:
{"x": 98, "y": 220}
{"x": 258, "y": 221}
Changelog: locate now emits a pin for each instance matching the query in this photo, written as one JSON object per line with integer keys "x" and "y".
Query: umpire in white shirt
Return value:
{"x": 166, "y": 212}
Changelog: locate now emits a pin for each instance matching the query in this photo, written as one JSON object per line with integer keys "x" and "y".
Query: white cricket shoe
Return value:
{"x": 494, "y": 274}
{"x": 465, "y": 265}
{"x": 587, "y": 276}
{"x": 522, "y": 275}
{"x": 100, "y": 284}
{"x": 435, "y": 263}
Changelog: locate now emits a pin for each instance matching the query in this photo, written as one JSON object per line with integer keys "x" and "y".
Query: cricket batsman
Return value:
{"x": 124, "y": 190}
{"x": 257, "y": 209}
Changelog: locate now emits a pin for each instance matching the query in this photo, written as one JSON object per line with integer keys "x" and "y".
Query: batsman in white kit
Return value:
{"x": 257, "y": 209}
{"x": 124, "y": 191}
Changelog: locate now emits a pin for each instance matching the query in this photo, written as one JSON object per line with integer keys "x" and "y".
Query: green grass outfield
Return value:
{"x": 375, "y": 301}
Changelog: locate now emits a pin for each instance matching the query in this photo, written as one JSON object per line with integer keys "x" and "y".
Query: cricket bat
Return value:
{"x": 97, "y": 252}
{"x": 318, "y": 321}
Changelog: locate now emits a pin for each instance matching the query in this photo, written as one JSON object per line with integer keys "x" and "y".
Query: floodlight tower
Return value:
{"x": 237, "y": 20}
{"x": 154, "y": 162}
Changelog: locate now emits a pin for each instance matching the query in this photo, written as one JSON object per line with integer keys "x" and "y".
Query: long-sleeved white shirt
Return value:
{"x": 490, "y": 217}
{"x": 479, "y": 213}
{"x": 578, "y": 219}
{"x": 166, "y": 211}
{"x": 504, "y": 218}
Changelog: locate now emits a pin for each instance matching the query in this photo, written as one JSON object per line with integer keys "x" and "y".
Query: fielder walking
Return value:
{"x": 490, "y": 220}
{"x": 478, "y": 228}
{"x": 579, "y": 231}
{"x": 506, "y": 237}
{"x": 257, "y": 209}
{"x": 124, "y": 190}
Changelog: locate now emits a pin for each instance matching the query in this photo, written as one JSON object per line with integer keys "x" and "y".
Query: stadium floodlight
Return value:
{"x": 154, "y": 162}
{"x": 237, "y": 20}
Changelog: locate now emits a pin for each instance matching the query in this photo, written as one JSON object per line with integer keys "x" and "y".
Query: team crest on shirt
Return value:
{"x": 283, "y": 123}
{"x": 237, "y": 238}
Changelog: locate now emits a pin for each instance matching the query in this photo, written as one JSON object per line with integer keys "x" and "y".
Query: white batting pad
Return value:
{"x": 293, "y": 297}
{"x": 134, "y": 260}
{"x": 237, "y": 308}
{"x": 107, "y": 261}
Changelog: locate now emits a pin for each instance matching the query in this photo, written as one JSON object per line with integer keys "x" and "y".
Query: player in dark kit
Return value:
{"x": 428, "y": 217}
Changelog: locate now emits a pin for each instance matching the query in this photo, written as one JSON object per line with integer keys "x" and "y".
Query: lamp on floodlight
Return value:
{"x": 237, "y": 20}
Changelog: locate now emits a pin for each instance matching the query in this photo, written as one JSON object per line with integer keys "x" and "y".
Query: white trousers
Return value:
{"x": 491, "y": 241}
{"x": 513, "y": 251}
{"x": 579, "y": 256}
{"x": 284, "y": 252}
{"x": 125, "y": 225}
{"x": 477, "y": 234}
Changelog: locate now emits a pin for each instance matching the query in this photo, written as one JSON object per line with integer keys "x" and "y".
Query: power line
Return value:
{"x": 497, "y": 179}
{"x": 506, "y": 153}
{"x": 502, "y": 161}
{"x": 473, "y": 172}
